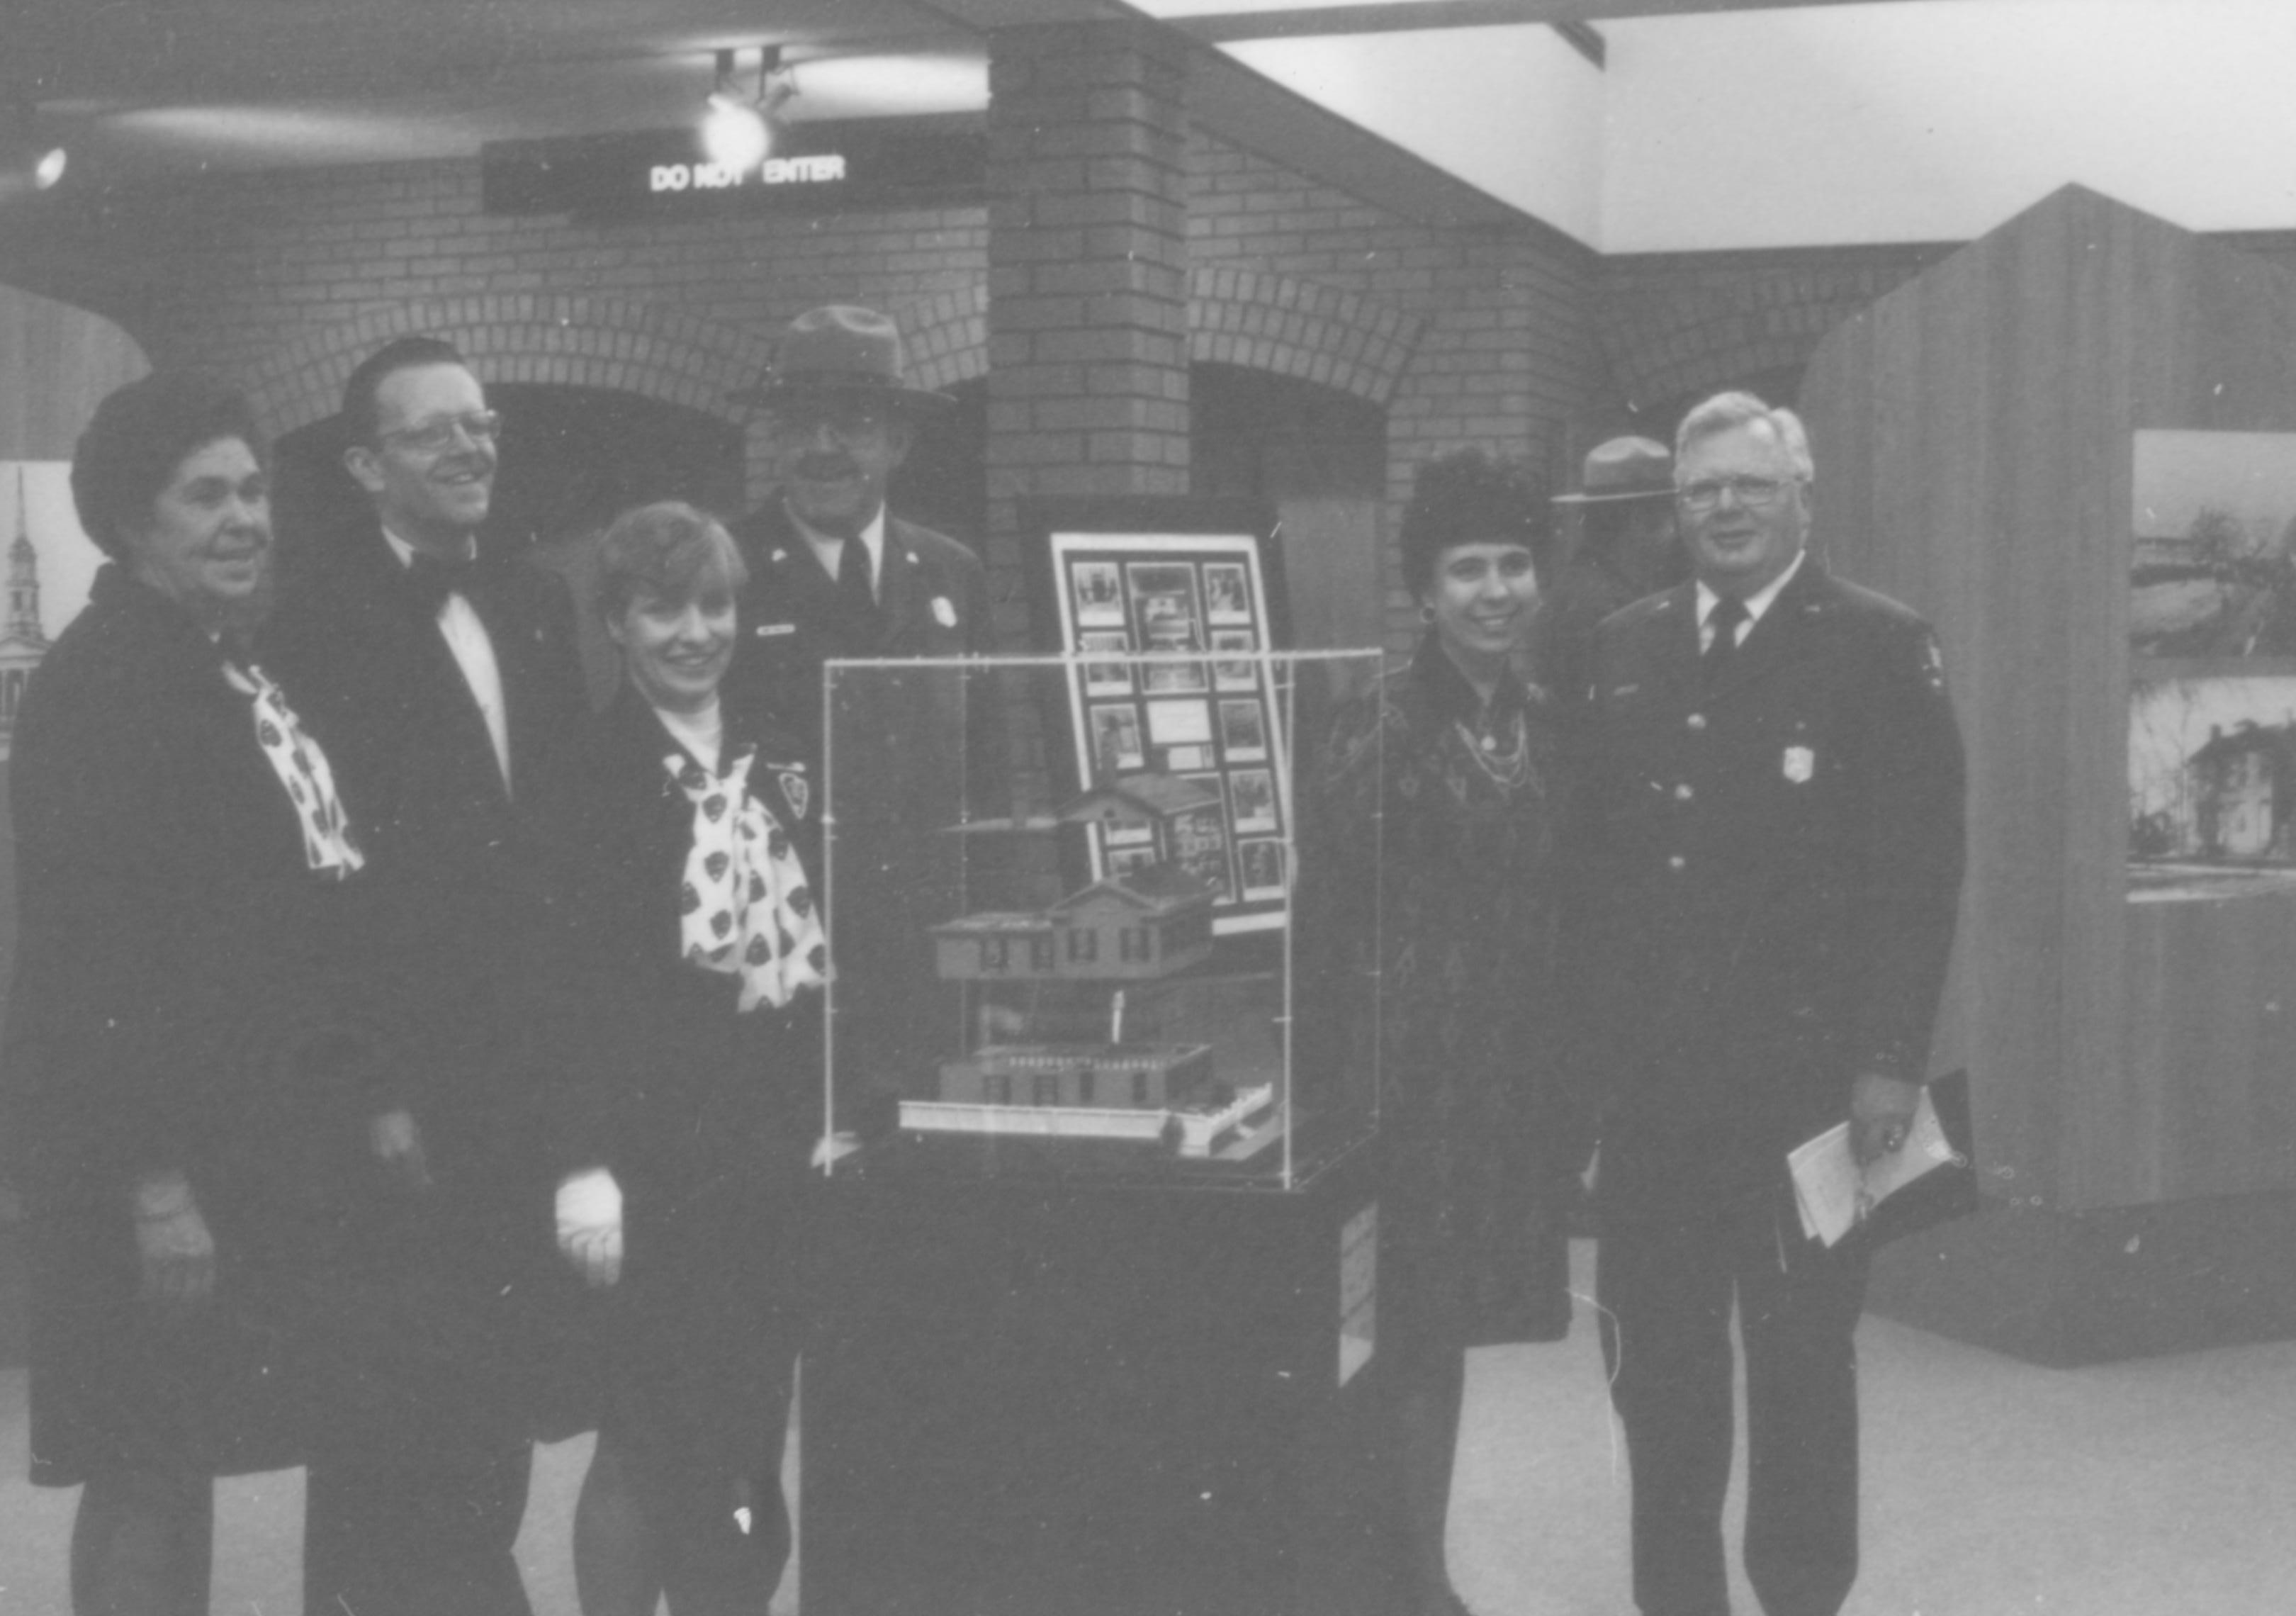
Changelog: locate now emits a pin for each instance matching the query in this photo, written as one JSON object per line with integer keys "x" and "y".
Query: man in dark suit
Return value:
{"x": 834, "y": 574}
{"x": 446, "y": 682}
{"x": 1769, "y": 849}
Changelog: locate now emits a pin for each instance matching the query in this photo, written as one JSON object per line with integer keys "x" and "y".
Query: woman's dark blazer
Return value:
{"x": 182, "y": 1001}
{"x": 687, "y": 1091}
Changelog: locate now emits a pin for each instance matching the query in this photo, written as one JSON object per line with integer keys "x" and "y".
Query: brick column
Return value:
{"x": 1088, "y": 274}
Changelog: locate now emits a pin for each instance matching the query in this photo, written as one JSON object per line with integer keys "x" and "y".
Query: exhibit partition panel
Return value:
{"x": 2119, "y": 990}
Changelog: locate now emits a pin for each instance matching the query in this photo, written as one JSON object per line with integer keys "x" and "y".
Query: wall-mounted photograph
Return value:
{"x": 2211, "y": 786}
{"x": 1193, "y": 591}
{"x": 50, "y": 563}
{"x": 2212, "y": 573}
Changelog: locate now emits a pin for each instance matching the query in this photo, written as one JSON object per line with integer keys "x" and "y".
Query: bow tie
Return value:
{"x": 430, "y": 579}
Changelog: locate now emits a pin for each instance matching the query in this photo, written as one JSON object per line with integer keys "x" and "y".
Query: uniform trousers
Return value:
{"x": 1667, "y": 1283}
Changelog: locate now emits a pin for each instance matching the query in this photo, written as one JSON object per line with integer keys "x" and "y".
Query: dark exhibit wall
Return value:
{"x": 2131, "y": 1046}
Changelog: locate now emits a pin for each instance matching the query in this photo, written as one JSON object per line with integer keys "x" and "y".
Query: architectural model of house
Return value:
{"x": 1135, "y": 926}
{"x": 1134, "y": 1077}
{"x": 1145, "y": 798}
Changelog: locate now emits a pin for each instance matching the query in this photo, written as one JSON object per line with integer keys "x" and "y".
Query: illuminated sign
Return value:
{"x": 821, "y": 168}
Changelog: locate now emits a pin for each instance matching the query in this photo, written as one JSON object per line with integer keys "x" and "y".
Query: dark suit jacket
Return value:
{"x": 1765, "y": 878}
{"x": 468, "y": 880}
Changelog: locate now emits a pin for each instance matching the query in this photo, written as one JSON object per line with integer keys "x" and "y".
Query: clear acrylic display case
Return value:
{"x": 1093, "y": 916}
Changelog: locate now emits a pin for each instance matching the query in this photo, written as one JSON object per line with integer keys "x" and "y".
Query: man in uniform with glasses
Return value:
{"x": 449, "y": 691}
{"x": 1767, "y": 858}
{"x": 832, "y": 573}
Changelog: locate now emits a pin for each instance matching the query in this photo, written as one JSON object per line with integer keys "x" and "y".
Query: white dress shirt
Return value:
{"x": 474, "y": 654}
{"x": 1756, "y": 603}
{"x": 701, "y": 734}
{"x": 830, "y": 552}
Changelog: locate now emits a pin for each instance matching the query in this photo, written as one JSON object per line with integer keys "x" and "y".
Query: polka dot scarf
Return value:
{"x": 302, "y": 768}
{"x": 746, "y": 907}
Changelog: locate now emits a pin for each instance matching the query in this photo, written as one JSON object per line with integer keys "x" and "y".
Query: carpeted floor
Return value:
{"x": 2165, "y": 1486}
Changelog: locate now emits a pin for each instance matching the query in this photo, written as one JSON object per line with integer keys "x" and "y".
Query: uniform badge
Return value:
{"x": 943, "y": 614}
{"x": 797, "y": 790}
{"x": 767, "y": 630}
{"x": 1800, "y": 763}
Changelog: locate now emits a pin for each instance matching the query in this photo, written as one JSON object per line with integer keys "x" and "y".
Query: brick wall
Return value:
{"x": 286, "y": 277}
{"x": 1675, "y": 326}
{"x": 1468, "y": 337}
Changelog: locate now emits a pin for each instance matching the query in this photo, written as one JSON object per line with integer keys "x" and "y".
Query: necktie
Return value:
{"x": 302, "y": 769}
{"x": 1722, "y": 650}
{"x": 747, "y": 909}
{"x": 853, "y": 584}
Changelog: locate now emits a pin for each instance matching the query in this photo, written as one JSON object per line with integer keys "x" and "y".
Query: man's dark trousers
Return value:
{"x": 1667, "y": 1284}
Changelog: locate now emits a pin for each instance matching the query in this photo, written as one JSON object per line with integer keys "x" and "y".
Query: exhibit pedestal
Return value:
{"x": 1029, "y": 1396}
{"x": 2067, "y": 1289}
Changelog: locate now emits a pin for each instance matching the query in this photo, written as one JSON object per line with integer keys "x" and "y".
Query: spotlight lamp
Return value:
{"x": 739, "y": 128}
{"x": 27, "y": 161}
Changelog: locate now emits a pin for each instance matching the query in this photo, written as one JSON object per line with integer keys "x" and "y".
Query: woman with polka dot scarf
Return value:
{"x": 684, "y": 1155}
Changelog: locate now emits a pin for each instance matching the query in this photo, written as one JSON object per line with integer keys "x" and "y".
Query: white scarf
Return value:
{"x": 302, "y": 768}
{"x": 747, "y": 909}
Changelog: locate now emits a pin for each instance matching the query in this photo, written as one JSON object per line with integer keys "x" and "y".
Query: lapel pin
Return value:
{"x": 1800, "y": 763}
{"x": 943, "y": 613}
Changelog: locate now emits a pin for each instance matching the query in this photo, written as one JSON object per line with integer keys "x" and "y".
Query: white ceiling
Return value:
{"x": 1712, "y": 124}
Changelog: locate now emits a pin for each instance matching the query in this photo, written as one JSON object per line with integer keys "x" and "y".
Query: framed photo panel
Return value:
{"x": 1188, "y": 591}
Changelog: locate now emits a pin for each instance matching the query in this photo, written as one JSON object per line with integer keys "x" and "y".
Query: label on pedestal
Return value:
{"x": 1358, "y": 1291}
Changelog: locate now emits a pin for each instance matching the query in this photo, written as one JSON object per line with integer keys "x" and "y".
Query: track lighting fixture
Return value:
{"x": 739, "y": 128}
{"x": 27, "y": 160}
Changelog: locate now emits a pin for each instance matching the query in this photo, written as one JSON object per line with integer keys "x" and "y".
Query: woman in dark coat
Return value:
{"x": 1457, "y": 760}
{"x": 684, "y": 1160}
{"x": 173, "y": 1037}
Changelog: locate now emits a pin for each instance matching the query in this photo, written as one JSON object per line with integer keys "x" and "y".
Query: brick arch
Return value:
{"x": 946, "y": 337}
{"x": 1299, "y": 328}
{"x": 1682, "y": 335}
{"x": 570, "y": 342}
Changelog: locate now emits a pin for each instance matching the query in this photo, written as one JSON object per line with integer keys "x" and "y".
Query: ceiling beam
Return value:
{"x": 1404, "y": 16}
{"x": 1247, "y": 110}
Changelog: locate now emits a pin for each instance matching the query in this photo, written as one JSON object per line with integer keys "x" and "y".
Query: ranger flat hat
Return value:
{"x": 842, "y": 350}
{"x": 1624, "y": 468}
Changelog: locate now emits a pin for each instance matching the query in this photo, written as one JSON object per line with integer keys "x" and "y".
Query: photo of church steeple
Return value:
{"x": 22, "y": 640}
